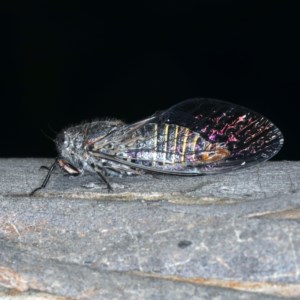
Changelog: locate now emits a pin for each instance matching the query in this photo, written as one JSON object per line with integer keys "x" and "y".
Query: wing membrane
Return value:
{"x": 196, "y": 136}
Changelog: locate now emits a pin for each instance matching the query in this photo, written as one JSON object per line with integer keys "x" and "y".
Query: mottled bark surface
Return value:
{"x": 236, "y": 235}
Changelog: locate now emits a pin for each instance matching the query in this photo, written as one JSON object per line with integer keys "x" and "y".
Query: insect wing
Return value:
{"x": 248, "y": 136}
{"x": 122, "y": 136}
{"x": 198, "y": 136}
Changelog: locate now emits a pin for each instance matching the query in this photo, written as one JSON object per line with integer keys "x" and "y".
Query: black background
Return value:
{"x": 68, "y": 61}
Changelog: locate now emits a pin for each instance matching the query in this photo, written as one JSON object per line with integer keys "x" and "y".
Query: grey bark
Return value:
{"x": 233, "y": 235}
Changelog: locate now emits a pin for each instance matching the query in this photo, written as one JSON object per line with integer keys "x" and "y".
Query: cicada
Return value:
{"x": 195, "y": 137}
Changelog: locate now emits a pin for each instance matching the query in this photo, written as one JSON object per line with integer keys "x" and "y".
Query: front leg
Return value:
{"x": 50, "y": 170}
{"x": 64, "y": 165}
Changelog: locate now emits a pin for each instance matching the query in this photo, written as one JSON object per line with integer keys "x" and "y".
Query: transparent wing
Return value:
{"x": 197, "y": 136}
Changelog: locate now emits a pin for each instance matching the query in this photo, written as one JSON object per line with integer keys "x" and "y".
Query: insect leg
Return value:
{"x": 102, "y": 176}
{"x": 50, "y": 170}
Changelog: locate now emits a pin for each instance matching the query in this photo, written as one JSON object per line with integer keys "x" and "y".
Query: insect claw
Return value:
{"x": 109, "y": 188}
{"x": 44, "y": 167}
{"x": 34, "y": 191}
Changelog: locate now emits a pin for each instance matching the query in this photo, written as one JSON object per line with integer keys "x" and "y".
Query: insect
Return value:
{"x": 195, "y": 137}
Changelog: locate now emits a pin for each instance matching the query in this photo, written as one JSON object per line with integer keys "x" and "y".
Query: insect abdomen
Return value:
{"x": 168, "y": 145}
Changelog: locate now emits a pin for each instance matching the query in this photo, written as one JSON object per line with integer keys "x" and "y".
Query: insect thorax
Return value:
{"x": 73, "y": 143}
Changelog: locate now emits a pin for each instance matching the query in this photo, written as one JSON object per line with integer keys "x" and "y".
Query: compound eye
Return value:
{"x": 62, "y": 139}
